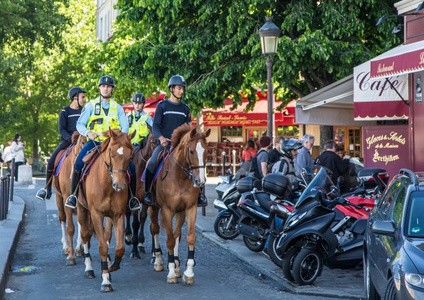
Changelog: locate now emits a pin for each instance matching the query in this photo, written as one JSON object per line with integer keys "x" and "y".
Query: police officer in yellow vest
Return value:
{"x": 96, "y": 117}
{"x": 138, "y": 119}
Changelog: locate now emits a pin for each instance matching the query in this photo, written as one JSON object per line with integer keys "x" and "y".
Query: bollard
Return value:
{"x": 234, "y": 161}
{"x": 223, "y": 162}
{"x": 25, "y": 174}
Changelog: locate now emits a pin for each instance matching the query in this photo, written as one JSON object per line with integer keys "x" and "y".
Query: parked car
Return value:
{"x": 394, "y": 241}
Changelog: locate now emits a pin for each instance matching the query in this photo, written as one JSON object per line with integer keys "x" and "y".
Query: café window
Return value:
{"x": 229, "y": 132}
{"x": 349, "y": 138}
{"x": 291, "y": 131}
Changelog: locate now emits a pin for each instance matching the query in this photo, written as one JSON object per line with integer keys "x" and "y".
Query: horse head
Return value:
{"x": 116, "y": 151}
{"x": 195, "y": 155}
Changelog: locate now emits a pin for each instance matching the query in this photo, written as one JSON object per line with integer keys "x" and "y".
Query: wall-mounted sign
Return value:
{"x": 386, "y": 147}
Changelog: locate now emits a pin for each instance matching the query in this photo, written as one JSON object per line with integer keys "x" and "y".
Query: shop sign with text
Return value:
{"x": 386, "y": 147}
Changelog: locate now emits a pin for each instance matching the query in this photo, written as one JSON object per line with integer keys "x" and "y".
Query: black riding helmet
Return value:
{"x": 75, "y": 91}
{"x": 288, "y": 145}
{"x": 176, "y": 80}
{"x": 107, "y": 80}
{"x": 139, "y": 98}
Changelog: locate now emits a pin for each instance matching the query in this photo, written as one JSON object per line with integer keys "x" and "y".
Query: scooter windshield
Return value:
{"x": 321, "y": 183}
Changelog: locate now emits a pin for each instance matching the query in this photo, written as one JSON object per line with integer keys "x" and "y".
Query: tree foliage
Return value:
{"x": 215, "y": 44}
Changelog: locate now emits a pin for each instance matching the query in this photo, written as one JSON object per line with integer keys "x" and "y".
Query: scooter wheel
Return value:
{"x": 272, "y": 249}
{"x": 287, "y": 263}
{"x": 307, "y": 266}
{"x": 221, "y": 230}
{"x": 254, "y": 245}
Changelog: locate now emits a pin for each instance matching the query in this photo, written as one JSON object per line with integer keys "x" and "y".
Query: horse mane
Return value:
{"x": 120, "y": 137}
{"x": 75, "y": 136}
{"x": 178, "y": 134}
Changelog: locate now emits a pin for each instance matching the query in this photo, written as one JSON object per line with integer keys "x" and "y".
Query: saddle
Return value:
{"x": 89, "y": 159}
{"x": 60, "y": 158}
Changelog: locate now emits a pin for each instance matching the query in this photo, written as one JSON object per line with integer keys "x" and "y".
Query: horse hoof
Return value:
{"x": 188, "y": 280}
{"x": 159, "y": 268}
{"x": 141, "y": 250}
{"x": 128, "y": 239}
{"x": 78, "y": 253}
{"x": 177, "y": 274}
{"x": 89, "y": 274}
{"x": 114, "y": 267}
{"x": 71, "y": 262}
{"x": 105, "y": 288}
{"x": 135, "y": 255}
{"x": 172, "y": 280}
{"x": 65, "y": 252}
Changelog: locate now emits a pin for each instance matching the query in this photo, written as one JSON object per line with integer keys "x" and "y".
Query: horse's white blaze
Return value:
{"x": 65, "y": 243}
{"x": 106, "y": 280}
{"x": 200, "y": 152}
{"x": 120, "y": 151}
{"x": 87, "y": 260}
{"x": 189, "y": 271}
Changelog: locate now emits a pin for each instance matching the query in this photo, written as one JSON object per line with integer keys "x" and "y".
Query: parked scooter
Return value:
{"x": 226, "y": 203}
{"x": 312, "y": 235}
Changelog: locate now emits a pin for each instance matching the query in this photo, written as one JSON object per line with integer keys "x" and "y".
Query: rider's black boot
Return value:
{"x": 148, "y": 200}
{"x": 71, "y": 202}
{"x": 202, "y": 201}
{"x": 133, "y": 203}
{"x": 46, "y": 193}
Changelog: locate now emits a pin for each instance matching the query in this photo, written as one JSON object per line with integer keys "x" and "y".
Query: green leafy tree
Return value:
{"x": 215, "y": 44}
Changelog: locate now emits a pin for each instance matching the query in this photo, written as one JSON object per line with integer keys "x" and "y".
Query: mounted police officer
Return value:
{"x": 169, "y": 115}
{"x": 68, "y": 118}
{"x": 98, "y": 116}
{"x": 138, "y": 119}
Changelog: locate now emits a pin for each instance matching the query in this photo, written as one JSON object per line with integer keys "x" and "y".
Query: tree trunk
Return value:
{"x": 326, "y": 134}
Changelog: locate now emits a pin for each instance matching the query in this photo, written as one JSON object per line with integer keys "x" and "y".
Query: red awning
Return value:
{"x": 238, "y": 117}
{"x": 403, "y": 59}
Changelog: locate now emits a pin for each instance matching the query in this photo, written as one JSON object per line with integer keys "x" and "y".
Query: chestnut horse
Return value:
{"x": 136, "y": 237}
{"x": 104, "y": 193}
{"x": 63, "y": 190}
{"x": 176, "y": 191}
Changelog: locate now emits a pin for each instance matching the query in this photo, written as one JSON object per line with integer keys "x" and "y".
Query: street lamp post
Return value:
{"x": 269, "y": 34}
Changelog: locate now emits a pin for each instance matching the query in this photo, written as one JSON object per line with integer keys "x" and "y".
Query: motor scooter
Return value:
{"x": 312, "y": 235}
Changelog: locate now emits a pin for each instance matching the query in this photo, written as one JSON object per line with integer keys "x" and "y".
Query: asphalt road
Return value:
{"x": 39, "y": 271}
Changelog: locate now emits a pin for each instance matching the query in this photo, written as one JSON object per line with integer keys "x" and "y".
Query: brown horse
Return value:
{"x": 104, "y": 193}
{"x": 176, "y": 192}
{"x": 135, "y": 237}
{"x": 63, "y": 190}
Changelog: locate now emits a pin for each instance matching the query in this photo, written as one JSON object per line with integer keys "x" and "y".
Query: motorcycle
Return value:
{"x": 228, "y": 217}
{"x": 324, "y": 228}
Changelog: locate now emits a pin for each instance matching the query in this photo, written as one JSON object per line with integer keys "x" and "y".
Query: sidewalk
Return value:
{"x": 344, "y": 284}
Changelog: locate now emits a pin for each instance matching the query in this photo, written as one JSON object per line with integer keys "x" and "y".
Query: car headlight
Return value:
{"x": 295, "y": 219}
{"x": 415, "y": 279}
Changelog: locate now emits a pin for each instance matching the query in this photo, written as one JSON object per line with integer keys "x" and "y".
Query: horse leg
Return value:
{"x": 180, "y": 218}
{"x": 86, "y": 232}
{"x": 97, "y": 220}
{"x": 135, "y": 229}
{"x": 188, "y": 277}
{"x": 70, "y": 260}
{"x": 141, "y": 238}
{"x": 119, "y": 237}
{"x": 108, "y": 237}
{"x": 62, "y": 220}
{"x": 170, "y": 243}
{"x": 128, "y": 233}
{"x": 78, "y": 248}
{"x": 154, "y": 229}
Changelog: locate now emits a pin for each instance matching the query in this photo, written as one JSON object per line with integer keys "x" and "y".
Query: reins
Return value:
{"x": 109, "y": 167}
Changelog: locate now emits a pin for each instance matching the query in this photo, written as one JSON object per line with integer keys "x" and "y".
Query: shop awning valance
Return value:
{"x": 403, "y": 59}
{"x": 379, "y": 98}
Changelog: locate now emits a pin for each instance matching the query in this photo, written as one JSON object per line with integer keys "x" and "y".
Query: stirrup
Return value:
{"x": 202, "y": 201}
{"x": 41, "y": 194}
{"x": 71, "y": 202}
{"x": 137, "y": 205}
{"x": 148, "y": 200}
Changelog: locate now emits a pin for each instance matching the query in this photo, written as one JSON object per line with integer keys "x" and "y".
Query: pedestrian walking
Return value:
{"x": 17, "y": 149}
